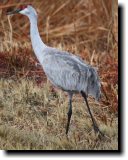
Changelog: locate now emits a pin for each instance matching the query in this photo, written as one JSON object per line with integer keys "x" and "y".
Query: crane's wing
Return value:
{"x": 70, "y": 72}
{"x": 63, "y": 71}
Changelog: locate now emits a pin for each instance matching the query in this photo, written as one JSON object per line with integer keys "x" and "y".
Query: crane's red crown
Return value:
{"x": 21, "y": 7}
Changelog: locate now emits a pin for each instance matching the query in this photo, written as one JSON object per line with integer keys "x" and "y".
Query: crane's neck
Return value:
{"x": 37, "y": 43}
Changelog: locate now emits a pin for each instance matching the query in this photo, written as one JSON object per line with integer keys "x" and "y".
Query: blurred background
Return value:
{"x": 86, "y": 23}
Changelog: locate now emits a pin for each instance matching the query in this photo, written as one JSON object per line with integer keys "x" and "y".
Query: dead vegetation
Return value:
{"x": 33, "y": 114}
{"x": 33, "y": 117}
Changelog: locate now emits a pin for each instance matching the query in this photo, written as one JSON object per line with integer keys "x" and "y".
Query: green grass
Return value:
{"x": 34, "y": 117}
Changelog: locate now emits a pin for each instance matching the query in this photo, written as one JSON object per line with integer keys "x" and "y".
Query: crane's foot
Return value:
{"x": 97, "y": 130}
{"x": 67, "y": 128}
{"x": 101, "y": 135}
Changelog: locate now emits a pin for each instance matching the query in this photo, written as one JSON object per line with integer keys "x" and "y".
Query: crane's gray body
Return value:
{"x": 69, "y": 72}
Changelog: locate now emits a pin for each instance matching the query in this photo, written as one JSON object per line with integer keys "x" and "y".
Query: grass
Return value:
{"x": 32, "y": 114}
{"x": 33, "y": 117}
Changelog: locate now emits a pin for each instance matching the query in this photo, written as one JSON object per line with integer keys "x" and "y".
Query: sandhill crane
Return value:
{"x": 65, "y": 70}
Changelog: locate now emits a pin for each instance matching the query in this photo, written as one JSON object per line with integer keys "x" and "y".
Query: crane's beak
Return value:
{"x": 13, "y": 12}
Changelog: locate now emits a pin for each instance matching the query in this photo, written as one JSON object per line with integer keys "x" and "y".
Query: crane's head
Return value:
{"x": 94, "y": 86}
{"x": 25, "y": 10}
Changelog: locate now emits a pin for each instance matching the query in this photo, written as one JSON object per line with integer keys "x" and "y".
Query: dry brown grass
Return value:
{"x": 34, "y": 117}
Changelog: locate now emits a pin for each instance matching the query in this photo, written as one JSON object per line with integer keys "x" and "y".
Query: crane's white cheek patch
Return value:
{"x": 24, "y": 11}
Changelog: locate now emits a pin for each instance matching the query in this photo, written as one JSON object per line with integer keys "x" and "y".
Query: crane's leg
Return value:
{"x": 69, "y": 112}
{"x": 95, "y": 126}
